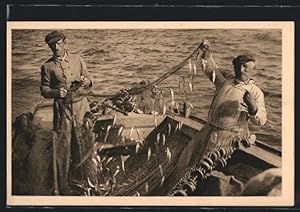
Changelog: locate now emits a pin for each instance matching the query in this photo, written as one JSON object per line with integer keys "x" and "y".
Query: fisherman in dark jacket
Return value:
{"x": 64, "y": 78}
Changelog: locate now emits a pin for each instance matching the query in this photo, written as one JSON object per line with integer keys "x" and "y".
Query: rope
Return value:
{"x": 175, "y": 68}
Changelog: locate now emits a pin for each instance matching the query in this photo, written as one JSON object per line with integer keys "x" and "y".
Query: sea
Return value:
{"x": 117, "y": 58}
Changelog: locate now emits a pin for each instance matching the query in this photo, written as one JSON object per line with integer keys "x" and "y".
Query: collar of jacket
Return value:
{"x": 58, "y": 60}
{"x": 239, "y": 82}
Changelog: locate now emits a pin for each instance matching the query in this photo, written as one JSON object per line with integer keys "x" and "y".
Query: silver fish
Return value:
{"x": 195, "y": 69}
{"x": 190, "y": 65}
{"x": 114, "y": 120}
{"x": 169, "y": 129}
{"x": 117, "y": 171}
{"x": 149, "y": 154}
{"x": 213, "y": 77}
{"x": 109, "y": 160}
{"x": 155, "y": 123}
{"x": 191, "y": 87}
{"x": 163, "y": 139}
{"x": 164, "y": 109}
{"x": 138, "y": 133}
{"x": 90, "y": 183}
{"x": 130, "y": 133}
{"x": 120, "y": 130}
{"x": 203, "y": 64}
{"x": 162, "y": 181}
{"x": 137, "y": 148}
{"x": 161, "y": 170}
{"x": 108, "y": 129}
{"x": 190, "y": 104}
{"x": 158, "y": 137}
{"x": 180, "y": 124}
{"x": 95, "y": 161}
{"x": 146, "y": 187}
{"x": 169, "y": 154}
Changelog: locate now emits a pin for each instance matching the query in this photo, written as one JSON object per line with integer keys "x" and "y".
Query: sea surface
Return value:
{"x": 118, "y": 58}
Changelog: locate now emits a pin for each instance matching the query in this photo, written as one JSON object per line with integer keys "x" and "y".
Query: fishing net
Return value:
{"x": 171, "y": 160}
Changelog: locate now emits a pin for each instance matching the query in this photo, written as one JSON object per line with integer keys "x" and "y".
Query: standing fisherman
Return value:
{"x": 64, "y": 77}
{"x": 239, "y": 93}
{"x": 237, "y": 100}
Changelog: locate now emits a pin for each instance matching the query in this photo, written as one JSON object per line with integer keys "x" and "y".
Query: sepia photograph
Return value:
{"x": 150, "y": 113}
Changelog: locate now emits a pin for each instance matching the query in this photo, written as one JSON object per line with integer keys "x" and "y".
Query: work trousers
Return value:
{"x": 68, "y": 143}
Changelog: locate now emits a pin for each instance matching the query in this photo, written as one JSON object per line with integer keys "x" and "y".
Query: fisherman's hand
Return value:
{"x": 204, "y": 51}
{"x": 86, "y": 82}
{"x": 62, "y": 92}
{"x": 250, "y": 102}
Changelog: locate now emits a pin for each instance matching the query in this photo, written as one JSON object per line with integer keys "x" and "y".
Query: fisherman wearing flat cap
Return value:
{"x": 64, "y": 78}
{"x": 237, "y": 99}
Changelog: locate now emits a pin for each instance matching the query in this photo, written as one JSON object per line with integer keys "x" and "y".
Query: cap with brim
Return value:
{"x": 242, "y": 59}
{"x": 54, "y": 36}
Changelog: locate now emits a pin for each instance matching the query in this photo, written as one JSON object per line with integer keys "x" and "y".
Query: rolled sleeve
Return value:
{"x": 260, "y": 118}
{"x": 211, "y": 70}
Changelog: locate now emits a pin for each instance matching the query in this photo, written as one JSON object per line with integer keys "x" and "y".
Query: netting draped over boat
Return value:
{"x": 168, "y": 159}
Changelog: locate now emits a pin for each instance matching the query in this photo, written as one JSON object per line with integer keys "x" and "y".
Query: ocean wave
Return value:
{"x": 267, "y": 37}
{"x": 93, "y": 51}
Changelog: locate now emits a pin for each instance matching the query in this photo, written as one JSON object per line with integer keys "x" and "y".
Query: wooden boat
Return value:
{"x": 142, "y": 152}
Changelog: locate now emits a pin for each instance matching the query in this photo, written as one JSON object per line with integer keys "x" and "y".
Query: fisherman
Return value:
{"x": 64, "y": 78}
{"x": 239, "y": 93}
{"x": 237, "y": 100}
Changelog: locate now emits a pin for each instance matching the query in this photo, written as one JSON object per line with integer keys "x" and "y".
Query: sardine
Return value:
{"x": 95, "y": 162}
{"x": 155, "y": 123}
{"x": 190, "y": 104}
{"x": 190, "y": 65}
{"x": 213, "y": 77}
{"x": 149, "y": 153}
{"x": 138, "y": 133}
{"x": 169, "y": 129}
{"x": 203, "y": 64}
{"x": 164, "y": 109}
{"x": 109, "y": 160}
{"x": 191, "y": 87}
{"x": 90, "y": 183}
{"x": 195, "y": 69}
{"x": 146, "y": 187}
{"x": 108, "y": 129}
{"x": 120, "y": 130}
{"x": 169, "y": 154}
{"x": 161, "y": 170}
{"x": 137, "y": 147}
{"x": 163, "y": 139}
{"x": 114, "y": 120}
{"x": 130, "y": 133}
{"x": 162, "y": 181}
{"x": 158, "y": 137}
{"x": 117, "y": 171}
{"x": 89, "y": 191}
{"x": 172, "y": 97}
{"x": 180, "y": 124}
{"x": 124, "y": 158}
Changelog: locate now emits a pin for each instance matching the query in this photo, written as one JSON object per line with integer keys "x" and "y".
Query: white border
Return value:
{"x": 287, "y": 197}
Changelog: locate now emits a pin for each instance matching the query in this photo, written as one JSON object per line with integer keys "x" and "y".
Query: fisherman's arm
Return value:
{"x": 46, "y": 90}
{"x": 257, "y": 113}
{"x": 208, "y": 64}
{"x": 85, "y": 77}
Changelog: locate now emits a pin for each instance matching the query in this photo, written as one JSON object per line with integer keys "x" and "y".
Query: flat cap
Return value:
{"x": 241, "y": 59}
{"x": 54, "y": 36}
